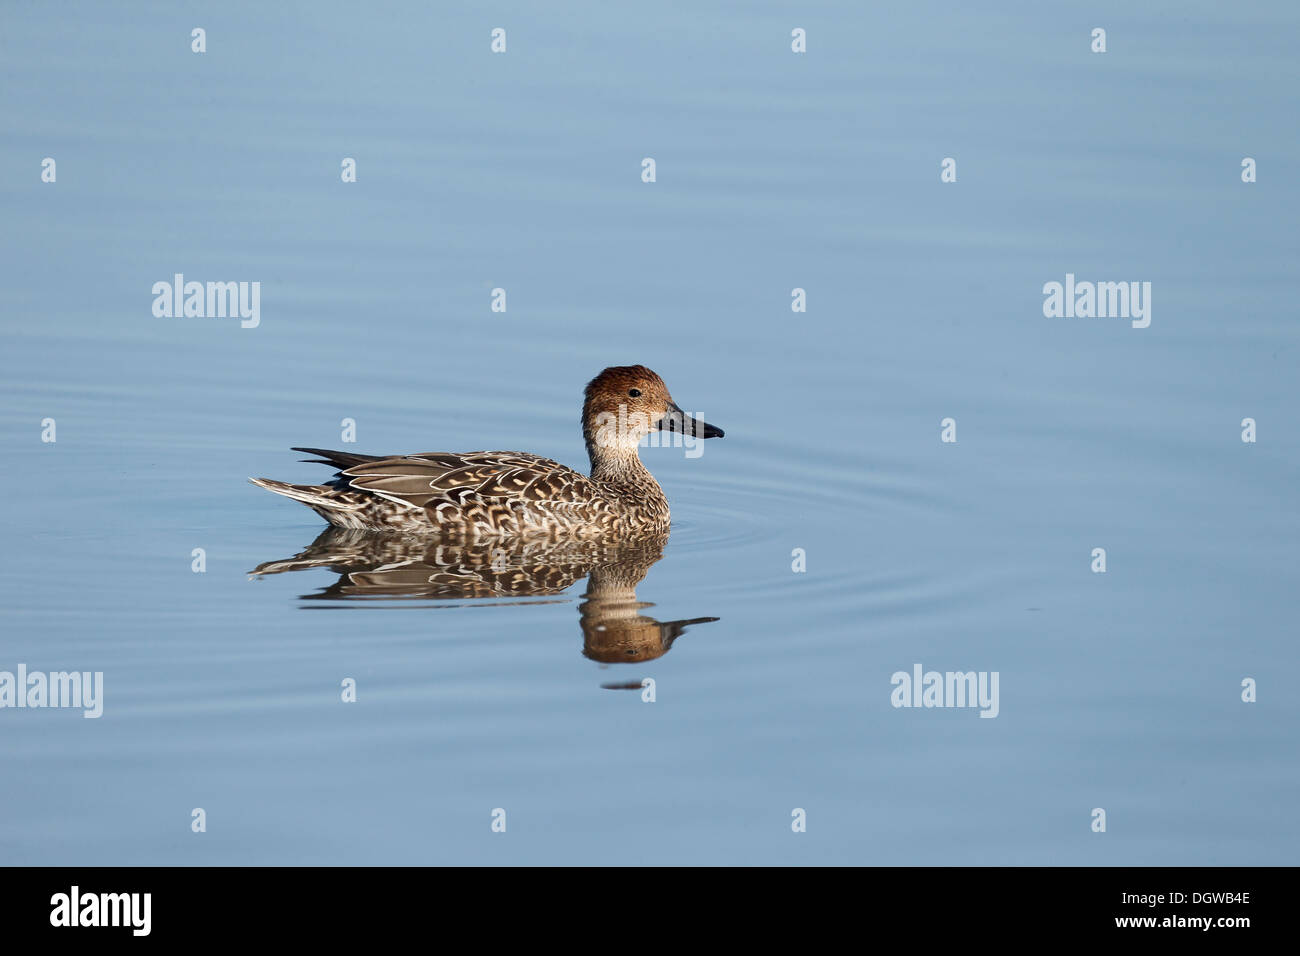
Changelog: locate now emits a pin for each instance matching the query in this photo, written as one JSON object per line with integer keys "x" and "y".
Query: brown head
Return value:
{"x": 625, "y": 403}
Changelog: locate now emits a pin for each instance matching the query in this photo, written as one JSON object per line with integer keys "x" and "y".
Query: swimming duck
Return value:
{"x": 505, "y": 494}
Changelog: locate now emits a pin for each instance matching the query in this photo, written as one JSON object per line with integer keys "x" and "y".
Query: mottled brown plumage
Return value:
{"x": 507, "y": 494}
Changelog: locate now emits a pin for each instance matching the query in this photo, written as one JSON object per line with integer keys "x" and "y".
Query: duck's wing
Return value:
{"x": 455, "y": 481}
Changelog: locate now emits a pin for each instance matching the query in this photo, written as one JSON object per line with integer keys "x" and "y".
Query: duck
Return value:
{"x": 483, "y": 495}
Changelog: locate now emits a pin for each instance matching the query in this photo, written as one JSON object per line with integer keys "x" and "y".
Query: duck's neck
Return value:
{"x": 621, "y": 466}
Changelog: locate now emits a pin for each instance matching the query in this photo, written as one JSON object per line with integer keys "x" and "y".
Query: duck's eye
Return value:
{"x": 634, "y": 392}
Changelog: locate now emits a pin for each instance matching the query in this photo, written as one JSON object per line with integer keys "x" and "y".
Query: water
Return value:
{"x": 1119, "y": 691}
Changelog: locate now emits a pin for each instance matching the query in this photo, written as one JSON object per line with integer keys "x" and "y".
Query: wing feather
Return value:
{"x": 488, "y": 487}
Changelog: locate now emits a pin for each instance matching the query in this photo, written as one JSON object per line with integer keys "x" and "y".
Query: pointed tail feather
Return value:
{"x": 316, "y": 496}
{"x": 339, "y": 459}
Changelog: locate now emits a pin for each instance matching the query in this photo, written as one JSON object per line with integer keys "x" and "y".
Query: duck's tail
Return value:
{"x": 334, "y": 506}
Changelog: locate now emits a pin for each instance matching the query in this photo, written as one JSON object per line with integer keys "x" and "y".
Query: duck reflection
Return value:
{"x": 385, "y": 567}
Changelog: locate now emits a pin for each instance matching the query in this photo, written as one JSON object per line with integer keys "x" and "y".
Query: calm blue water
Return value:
{"x": 522, "y": 171}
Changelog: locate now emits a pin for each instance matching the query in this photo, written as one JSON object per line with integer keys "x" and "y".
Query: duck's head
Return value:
{"x": 626, "y": 402}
